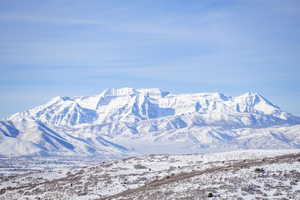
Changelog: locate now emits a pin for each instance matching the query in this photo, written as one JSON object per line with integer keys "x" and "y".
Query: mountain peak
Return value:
{"x": 94, "y": 123}
{"x": 221, "y": 96}
{"x": 256, "y": 102}
{"x": 153, "y": 92}
{"x": 131, "y": 91}
{"x": 129, "y": 104}
{"x": 118, "y": 91}
{"x": 59, "y": 99}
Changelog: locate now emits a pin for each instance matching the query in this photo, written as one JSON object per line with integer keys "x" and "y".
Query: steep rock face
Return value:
{"x": 126, "y": 120}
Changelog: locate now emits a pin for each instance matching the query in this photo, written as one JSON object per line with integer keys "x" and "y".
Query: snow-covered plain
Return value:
{"x": 230, "y": 175}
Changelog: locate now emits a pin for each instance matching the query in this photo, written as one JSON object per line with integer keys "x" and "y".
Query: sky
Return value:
{"x": 77, "y": 48}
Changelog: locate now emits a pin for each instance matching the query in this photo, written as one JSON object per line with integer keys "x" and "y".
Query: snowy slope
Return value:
{"x": 129, "y": 120}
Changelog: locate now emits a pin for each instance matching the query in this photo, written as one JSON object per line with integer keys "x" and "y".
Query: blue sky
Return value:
{"x": 74, "y": 48}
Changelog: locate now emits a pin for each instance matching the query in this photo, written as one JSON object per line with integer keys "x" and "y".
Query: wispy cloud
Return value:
{"x": 94, "y": 44}
{"x": 48, "y": 20}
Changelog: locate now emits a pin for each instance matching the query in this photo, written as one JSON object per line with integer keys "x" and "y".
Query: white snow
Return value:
{"x": 126, "y": 120}
{"x": 114, "y": 176}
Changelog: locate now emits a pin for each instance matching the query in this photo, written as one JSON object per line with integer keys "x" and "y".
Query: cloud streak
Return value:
{"x": 234, "y": 46}
{"x": 48, "y": 20}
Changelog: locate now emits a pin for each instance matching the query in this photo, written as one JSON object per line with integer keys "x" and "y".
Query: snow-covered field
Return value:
{"x": 258, "y": 174}
{"x": 21, "y": 165}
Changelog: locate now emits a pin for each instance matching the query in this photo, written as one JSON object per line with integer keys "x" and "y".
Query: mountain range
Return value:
{"x": 126, "y": 121}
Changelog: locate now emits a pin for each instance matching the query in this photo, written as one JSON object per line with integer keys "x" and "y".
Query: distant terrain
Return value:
{"x": 124, "y": 122}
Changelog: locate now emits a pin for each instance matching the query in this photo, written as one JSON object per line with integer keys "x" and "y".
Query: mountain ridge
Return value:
{"x": 121, "y": 121}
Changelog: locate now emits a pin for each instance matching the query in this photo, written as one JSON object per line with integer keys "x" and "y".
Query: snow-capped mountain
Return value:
{"x": 127, "y": 120}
